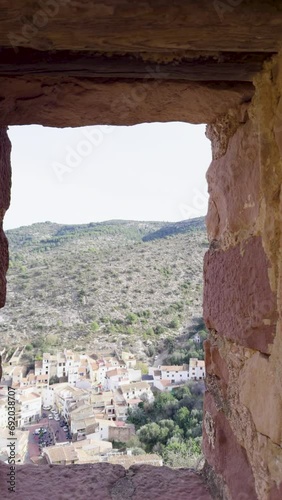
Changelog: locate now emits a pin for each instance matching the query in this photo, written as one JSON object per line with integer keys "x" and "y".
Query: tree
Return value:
{"x": 143, "y": 367}
{"x": 179, "y": 453}
{"x": 149, "y": 435}
{"x": 182, "y": 418}
{"x": 137, "y": 417}
{"x": 54, "y": 380}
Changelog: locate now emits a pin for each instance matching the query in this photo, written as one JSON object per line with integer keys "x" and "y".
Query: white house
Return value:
{"x": 47, "y": 394}
{"x": 136, "y": 390}
{"x": 103, "y": 367}
{"x": 49, "y": 365}
{"x": 65, "y": 394}
{"x": 115, "y": 377}
{"x": 93, "y": 370}
{"x": 164, "y": 385}
{"x": 134, "y": 375}
{"x": 103, "y": 429}
{"x": 197, "y": 369}
{"x": 129, "y": 359}
{"x": 38, "y": 368}
{"x": 61, "y": 365}
{"x": 175, "y": 374}
{"x": 28, "y": 407}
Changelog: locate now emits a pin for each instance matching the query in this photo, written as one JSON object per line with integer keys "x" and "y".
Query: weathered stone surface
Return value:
{"x": 259, "y": 393}
{"x": 5, "y": 171}
{"x": 74, "y": 102}
{"x": 224, "y": 453}
{"x": 147, "y": 26}
{"x": 276, "y": 492}
{"x": 234, "y": 67}
{"x": 238, "y": 301}
{"x": 216, "y": 367}
{"x": 5, "y": 186}
{"x": 166, "y": 484}
{"x": 234, "y": 183}
{"x": 103, "y": 482}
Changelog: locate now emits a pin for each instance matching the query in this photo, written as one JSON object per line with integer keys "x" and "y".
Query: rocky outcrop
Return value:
{"x": 103, "y": 482}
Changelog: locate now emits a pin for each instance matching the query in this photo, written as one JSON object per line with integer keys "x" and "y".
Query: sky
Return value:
{"x": 79, "y": 175}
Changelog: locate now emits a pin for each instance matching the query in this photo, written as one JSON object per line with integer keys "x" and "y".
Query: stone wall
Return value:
{"x": 122, "y": 434}
{"x": 5, "y": 187}
{"x": 243, "y": 272}
{"x": 242, "y": 297}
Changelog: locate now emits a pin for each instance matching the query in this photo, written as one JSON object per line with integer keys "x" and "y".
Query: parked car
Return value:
{"x": 66, "y": 429}
{"x": 54, "y": 411}
{"x": 39, "y": 431}
{"x": 57, "y": 418}
{"x": 46, "y": 407}
{"x": 50, "y": 417}
{"x": 62, "y": 424}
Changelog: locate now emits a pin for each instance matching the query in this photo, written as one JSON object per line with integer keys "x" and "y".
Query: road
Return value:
{"x": 159, "y": 360}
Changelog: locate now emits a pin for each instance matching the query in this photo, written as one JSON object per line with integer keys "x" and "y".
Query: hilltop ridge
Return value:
{"x": 135, "y": 282}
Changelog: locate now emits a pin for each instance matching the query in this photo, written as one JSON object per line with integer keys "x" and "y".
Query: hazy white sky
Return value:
{"x": 146, "y": 172}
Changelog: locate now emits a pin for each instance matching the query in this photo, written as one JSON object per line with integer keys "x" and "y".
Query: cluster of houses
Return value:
{"x": 166, "y": 378}
{"x": 92, "y": 395}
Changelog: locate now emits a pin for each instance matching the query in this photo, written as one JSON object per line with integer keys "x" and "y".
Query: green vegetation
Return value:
{"x": 54, "y": 380}
{"x": 94, "y": 284}
{"x": 181, "y": 352}
{"x": 171, "y": 425}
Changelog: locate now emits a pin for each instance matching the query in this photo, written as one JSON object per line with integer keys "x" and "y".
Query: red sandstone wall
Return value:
{"x": 242, "y": 298}
{"x": 5, "y": 187}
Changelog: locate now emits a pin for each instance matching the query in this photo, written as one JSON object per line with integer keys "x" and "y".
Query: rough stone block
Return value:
{"x": 233, "y": 181}
{"x": 238, "y": 301}
{"x": 225, "y": 455}
{"x": 258, "y": 392}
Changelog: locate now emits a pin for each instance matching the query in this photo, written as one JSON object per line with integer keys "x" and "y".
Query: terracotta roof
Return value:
{"x": 28, "y": 397}
{"x": 134, "y": 401}
{"x": 129, "y": 460}
{"x": 174, "y": 368}
{"x": 195, "y": 362}
{"x": 116, "y": 371}
{"x": 134, "y": 386}
{"x": 61, "y": 453}
{"x": 109, "y": 423}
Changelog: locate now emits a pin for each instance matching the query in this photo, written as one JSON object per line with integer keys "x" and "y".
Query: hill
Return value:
{"x": 100, "y": 284}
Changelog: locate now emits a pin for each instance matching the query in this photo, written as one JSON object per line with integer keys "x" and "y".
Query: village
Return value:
{"x": 72, "y": 408}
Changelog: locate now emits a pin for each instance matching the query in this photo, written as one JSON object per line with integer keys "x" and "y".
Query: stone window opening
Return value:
{"x": 241, "y": 101}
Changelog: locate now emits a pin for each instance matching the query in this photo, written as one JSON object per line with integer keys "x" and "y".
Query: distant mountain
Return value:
{"x": 103, "y": 283}
{"x": 174, "y": 228}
